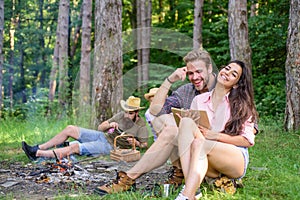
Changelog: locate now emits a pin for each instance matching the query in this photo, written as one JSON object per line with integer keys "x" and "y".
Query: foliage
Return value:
{"x": 270, "y": 95}
{"x": 35, "y": 40}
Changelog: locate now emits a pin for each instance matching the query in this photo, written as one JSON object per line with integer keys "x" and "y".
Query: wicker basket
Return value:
{"x": 127, "y": 155}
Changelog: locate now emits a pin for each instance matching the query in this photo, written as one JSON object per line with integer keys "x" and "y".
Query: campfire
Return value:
{"x": 62, "y": 167}
{"x": 47, "y": 176}
{"x": 50, "y": 177}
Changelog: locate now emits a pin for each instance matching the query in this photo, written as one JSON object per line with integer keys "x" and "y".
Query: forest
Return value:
{"x": 29, "y": 39}
{"x": 68, "y": 62}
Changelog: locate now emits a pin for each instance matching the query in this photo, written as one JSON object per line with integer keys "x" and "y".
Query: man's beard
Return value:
{"x": 134, "y": 119}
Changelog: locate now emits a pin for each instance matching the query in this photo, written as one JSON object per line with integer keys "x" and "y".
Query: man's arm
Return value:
{"x": 162, "y": 93}
{"x": 106, "y": 125}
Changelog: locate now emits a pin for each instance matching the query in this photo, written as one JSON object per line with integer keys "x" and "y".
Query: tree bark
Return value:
{"x": 42, "y": 45}
{"x": 11, "y": 59}
{"x": 85, "y": 62}
{"x": 63, "y": 24}
{"x": 197, "y": 33}
{"x": 292, "y": 65}
{"x": 55, "y": 64}
{"x": 107, "y": 81}
{"x": 144, "y": 37}
{"x": 77, "y": 33}
{"x": 238, "y": 31}
{"x": 1, "y": 53}
{"x": 22, "y": 73}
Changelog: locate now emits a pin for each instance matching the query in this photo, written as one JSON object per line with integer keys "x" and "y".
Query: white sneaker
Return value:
{"x": 198, "y": 194}
{"x": 181, "y": 197}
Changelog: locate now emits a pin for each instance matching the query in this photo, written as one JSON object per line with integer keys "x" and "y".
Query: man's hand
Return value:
{"x": 132, "y": 141}
{"x": 114, "y": 125}
{"x": 178, "y": 74}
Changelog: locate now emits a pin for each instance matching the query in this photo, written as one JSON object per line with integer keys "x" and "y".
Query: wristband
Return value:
{"x": 169, "y": 80}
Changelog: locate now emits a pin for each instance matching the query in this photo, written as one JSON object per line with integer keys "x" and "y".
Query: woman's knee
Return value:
{"x": 186, "y": 123}
{"x": 197, "y": 144}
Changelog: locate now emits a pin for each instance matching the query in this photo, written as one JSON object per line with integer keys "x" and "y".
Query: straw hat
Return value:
{"x": 131, "y": 104}
{"x": 151, "y": 93}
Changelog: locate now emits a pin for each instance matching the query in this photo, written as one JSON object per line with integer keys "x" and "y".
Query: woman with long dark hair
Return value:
{"x": 222, "y": 149}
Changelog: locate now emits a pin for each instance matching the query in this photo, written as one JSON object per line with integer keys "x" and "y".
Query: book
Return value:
{"x": 201, "y": 115}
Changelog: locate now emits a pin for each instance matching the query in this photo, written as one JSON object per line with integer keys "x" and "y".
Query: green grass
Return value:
{"x": 273, "y": 172}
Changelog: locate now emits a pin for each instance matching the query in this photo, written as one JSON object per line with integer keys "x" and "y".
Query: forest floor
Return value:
{"x": 47, "y": 180}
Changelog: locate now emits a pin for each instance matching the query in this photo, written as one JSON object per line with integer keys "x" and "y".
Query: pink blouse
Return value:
{"x": 219, "y": 117}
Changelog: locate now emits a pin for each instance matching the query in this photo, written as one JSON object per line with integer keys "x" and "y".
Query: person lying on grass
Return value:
{"x": 223, "y": 149}
{"x": 96, "y": 142}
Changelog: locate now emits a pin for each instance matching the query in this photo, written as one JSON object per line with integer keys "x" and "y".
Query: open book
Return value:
{"x": 202, "y": 118}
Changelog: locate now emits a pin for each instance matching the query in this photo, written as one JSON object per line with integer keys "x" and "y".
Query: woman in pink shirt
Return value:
{"x": 223, "y": 149}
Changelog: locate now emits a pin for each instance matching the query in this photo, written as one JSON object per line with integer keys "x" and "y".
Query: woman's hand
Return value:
{"x": 190, "y": 114}
{"x": 208, "y": 134}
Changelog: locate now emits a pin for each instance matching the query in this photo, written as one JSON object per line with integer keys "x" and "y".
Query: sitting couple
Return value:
{"x": 96, "y": 142}
{"x": 196, "y": 152}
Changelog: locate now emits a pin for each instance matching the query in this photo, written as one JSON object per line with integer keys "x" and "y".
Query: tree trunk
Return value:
{"x": 22, "y": 74}
{"x": 76, "y": 34}
{"x": 85, "y": 62}
{"x": 144, "y": 37}
{"x": 63, "y": 24}
{"x": 11, "y": 61}
{"x": 292, "y": 65}
{"x": 146, "y": 40}
{"x": 107, "y": 80}
{"x": 1, "y": 53}
{"x": 238, "y": 31}
{"x": 172, "y": 11}
{"x": 197, "y": 33}
{"x": 55, "y": 63}
{"x": 42, "y": 45}
{"x": 161, "y": 8}
{"x": 139, "y": 16}
{"x": 53, "y": 73}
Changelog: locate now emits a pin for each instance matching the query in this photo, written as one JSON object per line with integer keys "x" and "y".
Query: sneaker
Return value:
{"x": 175, "y": 178}
{"x": 121, "y": 184}
{"x": 181, "y": 197}
{"x": 198, "y": 193}
{"x": 30, "y": 151}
